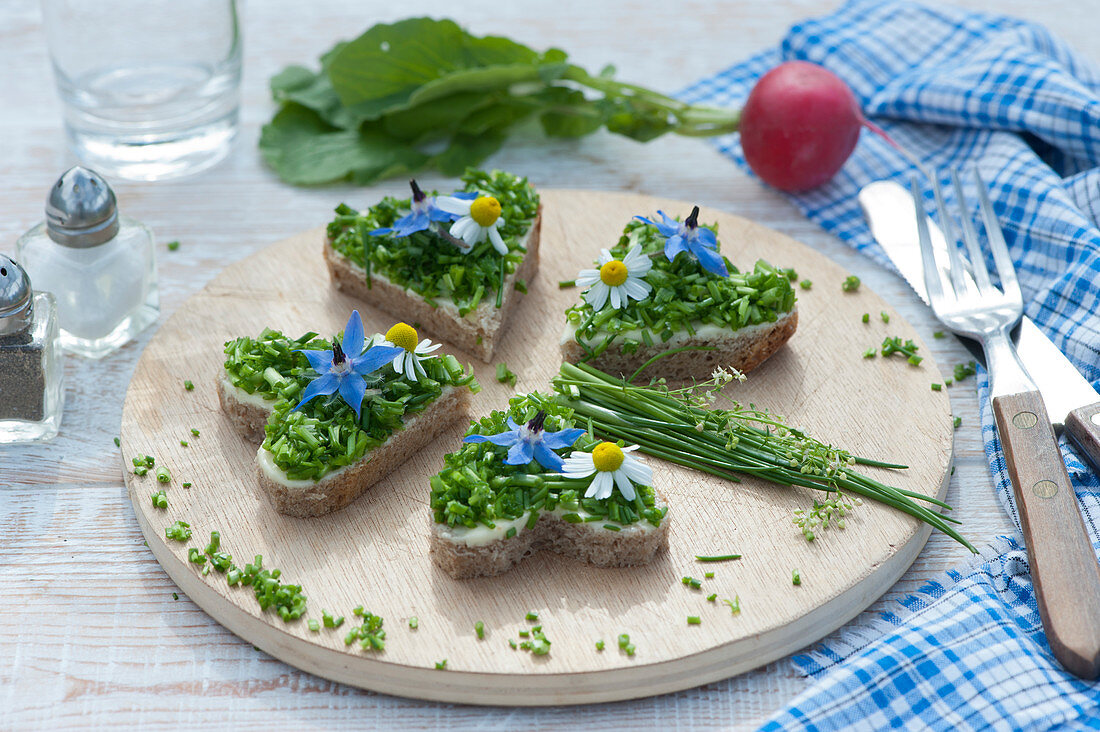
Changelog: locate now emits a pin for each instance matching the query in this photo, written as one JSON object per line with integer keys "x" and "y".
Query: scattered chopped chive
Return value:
{"x": 196, "y": 556}
{"x": 850, "y": 284}
{"x": 150, "y": 461}
{"x": 186, "y": 485}
{"x": 141, "y": 470}
{"x": 866, "y": 317}
{"x": 952, "y": 470}
{"x": 948, "y": 381}
{"x": 195, "y": 432}
{"x": 938, "y": 334}
{"x": 532, "y": 616}
{"x": 118, "y": 442}
{"x": 505, "y": 375}
{"x": 183, "y": 443}
{"x": 479, "y": 628}
{"x": 915, "y": 360}
{"x": 958, "y": 422}
{"x": 716, "y": 558}
{"x": 173, "y": 246}
{"x": 885, "y": 317}
{"x": 963, "y": 370}
{"x": 790, "y": 273}
{"x": 329, "y": 621}
{"x": 510, "y": 532}
{"x": 188, "y": 385}
{"x": 512, "y": 643}
{"x": 159, "y": 500}
{"x": 179, "y": 531}
{"x": 562, "y": 284}
{"x": 708, "y": 575}
{"x": 937, "y": 387}
{"x": 441, "y": 664}
{"x": 694, "y": 620}
{"x": 524, "y": 634}
{"x": 163, "y": 476}
{"x": 599, "y": 645}
{"x": 206, "y": 570}
{"x": 712, "y": 597}
{"x": 624, "y": 640}
{"x": 796, "y": 578}
{"x": 314, "y": 625}
{"x": 806, "y": 284}
{"x": 734, "y": 604}
{"x": 520, "y": 286}
{"x": 358, "y": 611}
{"x": 691, "y": 582}
{"x": 414, "y": 623}
{"x": 869, "y": 353}
{"x": 175, "y": 596}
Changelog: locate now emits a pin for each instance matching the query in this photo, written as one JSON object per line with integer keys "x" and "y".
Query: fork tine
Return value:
{"x": 970, "y": 236}
{"x": 933, "y": 279}
{"x": 1006, "y": 270}
{"x": 955, "y": 264}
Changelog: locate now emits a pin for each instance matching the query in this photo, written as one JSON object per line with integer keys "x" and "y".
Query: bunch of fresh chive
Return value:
{"x": 682, "y": 427}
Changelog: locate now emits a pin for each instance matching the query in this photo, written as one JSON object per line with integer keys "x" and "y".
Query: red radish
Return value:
{"x": 799, "y": 125}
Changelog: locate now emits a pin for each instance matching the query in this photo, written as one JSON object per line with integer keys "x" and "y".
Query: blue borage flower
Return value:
{"x": 531, "y": 440}
{"x": 342, "y": 369}
{"x": 688, "y": 236}
{"x": 424, "y": 212}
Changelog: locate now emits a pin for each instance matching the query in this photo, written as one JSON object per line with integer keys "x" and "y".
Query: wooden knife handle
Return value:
{"x": 1083, "y": 429}
{"x": 1063, "y": 566}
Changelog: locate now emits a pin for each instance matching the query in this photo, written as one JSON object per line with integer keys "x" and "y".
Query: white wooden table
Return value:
{"x": 90, "y": 633}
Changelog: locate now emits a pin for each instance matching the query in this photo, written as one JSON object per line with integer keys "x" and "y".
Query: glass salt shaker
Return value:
{"x": 31, "y": 398}
{"x": 99, "y": 265}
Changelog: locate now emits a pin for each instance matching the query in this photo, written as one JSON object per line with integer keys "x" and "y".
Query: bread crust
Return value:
{"x": 743, "y": 349}
{"x": 585, "y": 542}
{"x": 248, "y": 419}
{"x": 477, "y": 333}
{"x": 339, "y": 488}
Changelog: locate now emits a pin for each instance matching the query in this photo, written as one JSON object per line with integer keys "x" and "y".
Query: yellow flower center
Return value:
{"x": 613, "y": 273}
{"x": 403, "y": 335}
{"x": 485, "y": 210}
{"x": 607, "y": 457}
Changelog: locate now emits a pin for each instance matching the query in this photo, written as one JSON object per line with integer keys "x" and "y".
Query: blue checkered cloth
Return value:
{"x": 957, "y": 89}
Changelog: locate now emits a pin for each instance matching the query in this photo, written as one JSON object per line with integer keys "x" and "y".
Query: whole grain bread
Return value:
{"x": 477, "y": 333}
{"x": 339, "y": 488}
{"x": 248, "y": 418}
{"x": 589, "y": 542}
{"x": 743, "y": 349}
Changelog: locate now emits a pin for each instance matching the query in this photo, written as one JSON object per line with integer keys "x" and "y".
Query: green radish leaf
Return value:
{"x": 439, "y": 118}
{"x": 466, "y": 151}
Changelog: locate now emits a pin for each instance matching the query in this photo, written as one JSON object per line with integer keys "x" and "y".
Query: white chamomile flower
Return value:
{"x": 478, "y": 218}
{"x": 404, "y": 336}
{"x": 617, "y": 279}
{"x": 614, "y": 466}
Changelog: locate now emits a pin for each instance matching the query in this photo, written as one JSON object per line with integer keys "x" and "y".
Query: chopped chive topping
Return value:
{"x": 510, "y": 532}
{"x": 789, "y": 272}
{"x": 717, "y": 557}
{"x": 441, "y": 664}
{"x": 520, "y": 286}
{"x": 796, "y": 578}
{"x": 885, "y": 316}
{"x": 958, "y": 422}
{"x": 314, "y": 625}
{"x": 599, "y": 645}
{"x": 866, "y": 318}
{"x": 159, "y": 500}
{"x": 694, "y": 620}
{"x": 532, "y": 616}
{"x": 479, "y": 628}
{"x": 505, "y": 375}
{"x": 414, "y": 623}
{"x": 188, "y": 385}
{"x": 163, "y": 476}
{"x": 118, "y": 442}
{"x": 850, "y": 284}
{"x": 806, "y": 284}
{"x": 937, "y": 387}
{"x": 938, "y": 334}
{"x": 173, "y": 246}
{"x": 179, "y": 531}
{"x": 708, "y": 575}
{"x": 711, "y": 597}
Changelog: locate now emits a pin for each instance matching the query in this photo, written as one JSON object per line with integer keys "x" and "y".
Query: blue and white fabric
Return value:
{"x": 960, "y": 89}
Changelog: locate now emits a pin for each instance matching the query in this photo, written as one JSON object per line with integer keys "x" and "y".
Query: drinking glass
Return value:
{"x": 150, "y": 88}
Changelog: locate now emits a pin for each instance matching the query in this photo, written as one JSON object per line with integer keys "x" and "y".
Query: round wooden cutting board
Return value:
{"x": 375, "y": 552}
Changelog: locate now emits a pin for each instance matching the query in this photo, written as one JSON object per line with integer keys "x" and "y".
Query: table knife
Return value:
{"x": 1072, "y": 402}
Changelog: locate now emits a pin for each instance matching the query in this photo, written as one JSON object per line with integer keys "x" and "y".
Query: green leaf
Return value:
{"x": 466, "y": 151}
{"x": 440, "y": 118}
{"x": 303, "y": 149}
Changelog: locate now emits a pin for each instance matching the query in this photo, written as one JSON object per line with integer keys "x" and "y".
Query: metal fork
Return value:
{"x": 1063, "y": 566}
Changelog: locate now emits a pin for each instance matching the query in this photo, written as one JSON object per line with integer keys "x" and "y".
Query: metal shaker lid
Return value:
{"x": 16, "y": 305}
{"x": 81, "y": 210}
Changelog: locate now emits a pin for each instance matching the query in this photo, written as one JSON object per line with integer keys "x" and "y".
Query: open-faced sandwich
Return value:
{"x": 529, "y": 479}
{"x": 336, "y": 416}
{"x": 454, "y": 264}
{"x": 665, "y": 287}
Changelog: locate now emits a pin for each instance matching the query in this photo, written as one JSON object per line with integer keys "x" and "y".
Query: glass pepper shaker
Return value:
{"x": 99, "y": 265}
{"x": 31, "y": 398}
